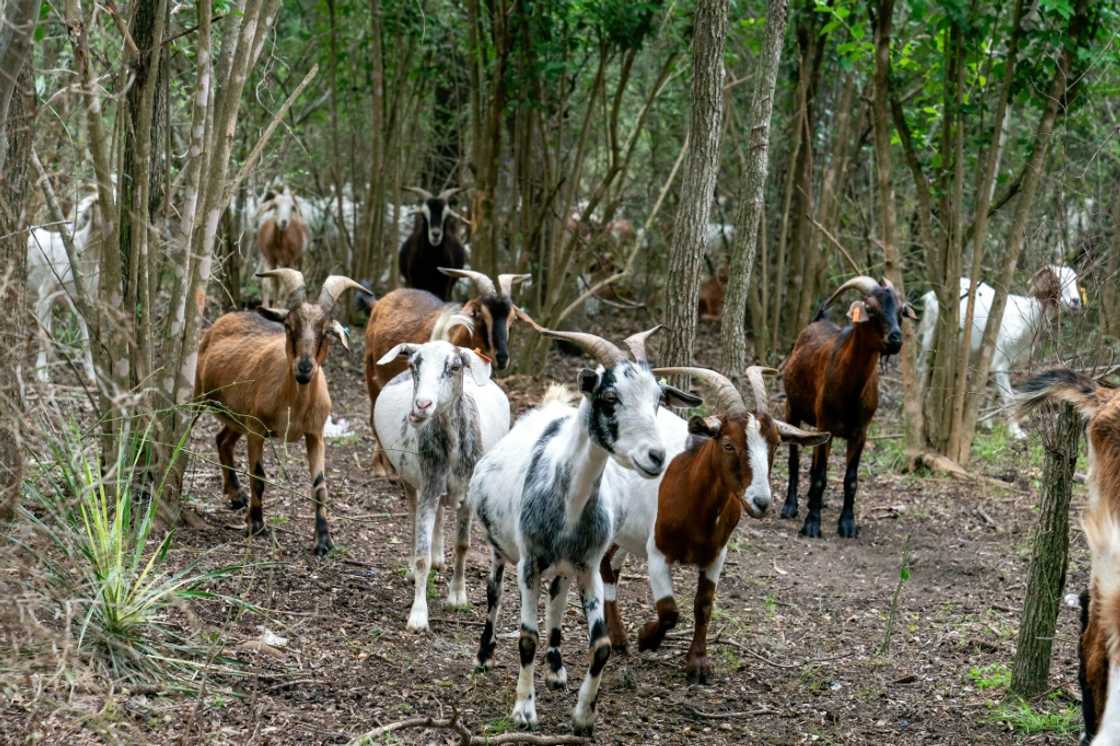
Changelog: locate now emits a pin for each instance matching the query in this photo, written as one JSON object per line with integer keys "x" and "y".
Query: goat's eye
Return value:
{"x": 456, "y": 367}
{"x": 729, "y": 447}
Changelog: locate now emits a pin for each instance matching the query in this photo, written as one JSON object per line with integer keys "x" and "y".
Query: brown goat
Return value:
{"x": 1099, "y": 648}
{"x": 832, "y": 382}
{"x": 724, "y": 469}
{"x": 408, "y": 315}
{"x": 282, "y": 237}
{"x": 712, "y": 294}
{"x": 262, "y": 372}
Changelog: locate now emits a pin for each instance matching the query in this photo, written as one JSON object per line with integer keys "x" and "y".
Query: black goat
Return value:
{"x": 433, "y": 244}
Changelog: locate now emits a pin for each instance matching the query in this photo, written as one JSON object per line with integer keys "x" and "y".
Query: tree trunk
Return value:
{"x": 15, "y": 186}
{"x": 751, "y": 211}
{"x": 1049, "y": 557}
{"x": 17, "y": 21}
{"x": 686, "y": 259}
{"x": 1110, "y": 295}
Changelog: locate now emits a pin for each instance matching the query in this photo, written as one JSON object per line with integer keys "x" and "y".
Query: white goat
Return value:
{"x": 538, "y": 495}
{"x": 50, "y": 277}
{"x": 435, "y": 423}
{"x": 1051, "y": 287}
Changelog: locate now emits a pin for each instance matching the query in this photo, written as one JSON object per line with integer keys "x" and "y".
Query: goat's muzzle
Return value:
{"x": 421, "y": 412}
{"x": 893, "y": 343}
{"x": 652, "y": 465}
{"x": 435, "y": 236}
{"x": 304, "y": 369}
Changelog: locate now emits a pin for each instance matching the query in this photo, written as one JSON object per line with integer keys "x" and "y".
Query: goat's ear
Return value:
{"x": 857, "y": 312}
{"x": 404, "y": 349}
{"x": 273, "y": 314}
{"x": 707, "y": 427}
{"x": 588, "y": 380}
{"x": 671, "y": 396}
{"x": 479, "y": 366}
{"x": 909, "y": 312}
{"x": 336, "y": 330}
{"x": 791, "y": 434}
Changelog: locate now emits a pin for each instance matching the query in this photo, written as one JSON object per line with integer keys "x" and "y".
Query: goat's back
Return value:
{"x": 404, "y": 315}
{"x": 283, "y": 248}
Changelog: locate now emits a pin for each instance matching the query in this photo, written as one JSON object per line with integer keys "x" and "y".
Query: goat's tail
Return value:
{"x": 556, "y": 394}
{"x": 365, "y": 298}
{"x": 1062, "y": 384}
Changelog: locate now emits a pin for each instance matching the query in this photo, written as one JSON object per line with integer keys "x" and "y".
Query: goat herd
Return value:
{"x": 573, "y": 487}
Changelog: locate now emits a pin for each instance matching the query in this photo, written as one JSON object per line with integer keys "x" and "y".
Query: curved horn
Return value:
{"x": 417, "y": 190}
{"x": 758, "y": 387}
{"x": 605, "y": 352}
{"x": 483, "y": 285}
{"x": 447, "y": 194}
{"x": 457, "y": 216}
{"x": 333, "y": 288}
{"x": 506, "y": 282}
{"x": 291, "y": 282}
{"x": 727, "y": 398}
{"x": 636, "y": 343}
{"x": 863, "y": 283}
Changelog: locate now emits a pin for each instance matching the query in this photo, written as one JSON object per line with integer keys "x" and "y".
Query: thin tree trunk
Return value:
{"x": 1049, "y": 558}
{"x": 1110, "y": 294}
{"x": 750, "y": 217}
{"x": 17, "y": 21}
{"x": 373, "y": 238}
{"x": 686, "y": 259}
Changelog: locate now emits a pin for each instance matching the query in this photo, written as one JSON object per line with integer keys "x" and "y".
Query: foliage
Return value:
{"x": 992, "y": 676}
{"x": 1047, "y": 717}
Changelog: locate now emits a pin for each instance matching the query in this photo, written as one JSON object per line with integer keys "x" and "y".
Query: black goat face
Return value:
{"x": 435, "y": 215}
{"x": 883, "y": 308}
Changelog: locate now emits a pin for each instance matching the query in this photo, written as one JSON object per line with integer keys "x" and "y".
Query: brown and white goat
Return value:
{"x": 417, "y": 316}
{"x": 282, "y": 236}
{"x": 723, "y": 469}
{"x": 1099, "y": 647}
{"x": 832, "y": 383}
{"x": 262, "y": 372}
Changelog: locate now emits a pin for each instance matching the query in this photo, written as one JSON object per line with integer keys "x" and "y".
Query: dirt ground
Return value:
{"x": 798, "y": 633}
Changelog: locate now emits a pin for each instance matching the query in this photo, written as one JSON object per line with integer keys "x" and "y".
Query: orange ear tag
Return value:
{"x": 855, "y": 313}
{"x": 482, "y": 355}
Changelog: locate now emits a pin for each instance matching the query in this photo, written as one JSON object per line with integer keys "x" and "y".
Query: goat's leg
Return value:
{"x": 591, "y": 592}
{"x": 422, "y": 559}
{"x": 87, "y": 351}
{"x": 557, "y": 676}
{"x": 457, "y": 593}
{"x": 231, "y": 485}
{"x": 661, "y": 583}
{"x": 438, "y": 562}
{"x": 529, "y": 583}
{"x": 698, "y": 667}
{"x": 256, "y": 484}
{"x": 489, "y": 639}
{"x": 818, "y": 479}
{"x": 789, "y": 510}
{"x": 847, "y": 525}
{"x": 316, "y": 463}
{"x": 609, "y": 568}
{"x": 43, "y": 314}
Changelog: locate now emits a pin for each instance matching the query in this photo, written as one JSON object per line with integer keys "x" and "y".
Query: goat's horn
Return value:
{"x": 506, "y": 283}
{"x": 457, "y": 216}
{"x": 483, "y": 285}
{"x": 417, "y": 190}
{"x": 333, "y": 288}
{"x": 636, "y": 343}
{"x": 887, "y": 284}
{"x": 758, "y": 387}
{"x": 727, "y": 397}
{"x": 291, "y": 282}
{"x": 863, "y": 283}
{"x": 520, "y": 313}
{"x": 602, "y": 350}
{"x": 447, "y": 194}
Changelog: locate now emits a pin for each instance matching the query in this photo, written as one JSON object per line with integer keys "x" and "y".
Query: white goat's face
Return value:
{"x": 623, "y": 416}
{"x": 1069, "y": 291}
{"x": 437, "y": 370}
{"x": 281, "y": 206}
{"x": 435, "y": 215}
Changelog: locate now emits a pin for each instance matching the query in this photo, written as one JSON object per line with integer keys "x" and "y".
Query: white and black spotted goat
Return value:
{"x": 537, "y": 494}
{"x": 435, "y": 423}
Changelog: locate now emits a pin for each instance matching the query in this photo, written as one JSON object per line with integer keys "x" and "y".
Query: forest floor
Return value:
{"x": 798, "y": 637}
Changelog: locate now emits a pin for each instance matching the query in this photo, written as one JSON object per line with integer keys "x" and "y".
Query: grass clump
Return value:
{"x": 1025, "y": 719}
{"x": 993, "y": 676}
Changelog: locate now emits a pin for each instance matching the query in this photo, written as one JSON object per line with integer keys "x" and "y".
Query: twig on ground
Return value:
{"x": 466, "y": 738}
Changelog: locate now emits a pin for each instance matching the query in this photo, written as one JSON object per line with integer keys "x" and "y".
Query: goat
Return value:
{"x": 409, "y": 315}
{"x": 432, "y": 245}
{"x": 720, "y": 465}
{"x": 435, "y": 423}
{"x": 50, "y": 276}
{"x": 712, "y": 294}
{"x": 832, "y": 382}
{"x": 1099, "y": 646}
{"x": 1051, "y": 287}
{"x": 537, "y": 494}
{"x": 262, "y": 371}
{"x": 281, "y": 237}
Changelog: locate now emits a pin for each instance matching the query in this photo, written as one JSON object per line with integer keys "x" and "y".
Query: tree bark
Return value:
{"x": 1049, "y": 557}
{"x": 1110, "y": 295}
{"x": 17, "y": 22}
{"x": 686, "y": 258}
{"x": 751, "y": 210}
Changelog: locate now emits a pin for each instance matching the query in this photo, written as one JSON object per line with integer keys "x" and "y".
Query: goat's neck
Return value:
{"x": 300, "y": 396}
{"x": 573, "y": 447}
{"x": 1034, "y": 312}
{"x": 709, "y": 490}
{"x": 863, "y": 343}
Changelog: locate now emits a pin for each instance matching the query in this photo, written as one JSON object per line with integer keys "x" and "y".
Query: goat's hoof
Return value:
{"x": 847, "y": 529}
{"x": 457, "y": 598}
{"x": 525, "y": 714}
{"x": 256, "y": 528}
{"x": 789, "y": 511}
{"x": 557, "y": 680}
{"x": 811, "y": 529}
{"x": 699, "y": 671}
{"x": 621, "y": 648}
{"x": 650, "y": 637}
{"x": 323, "y": 546}
{"x": 418, "y": 621}
{"x": 238, "y": 503}
{"x": 583, "y": 721}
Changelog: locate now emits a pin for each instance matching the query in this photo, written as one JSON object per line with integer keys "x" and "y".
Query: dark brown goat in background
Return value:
{"x": 832, "y": 383}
